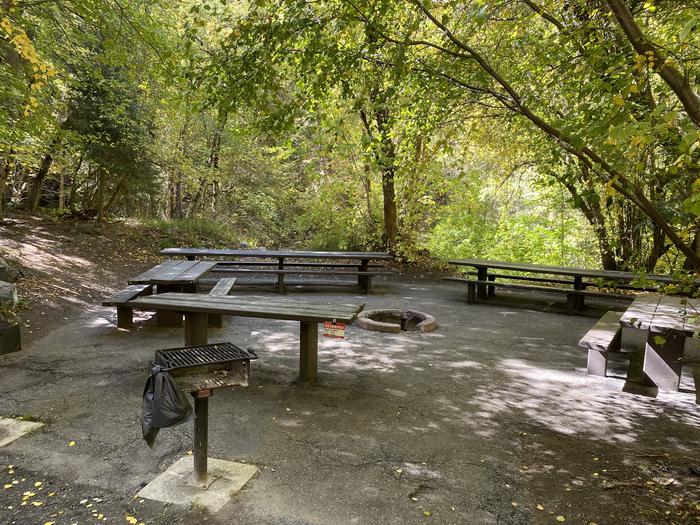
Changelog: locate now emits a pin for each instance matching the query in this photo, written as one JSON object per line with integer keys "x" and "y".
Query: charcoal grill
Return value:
{"x": 200, "y": 370}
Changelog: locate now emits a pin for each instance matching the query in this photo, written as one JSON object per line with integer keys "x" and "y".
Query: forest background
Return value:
{"x": 546, "y": 131}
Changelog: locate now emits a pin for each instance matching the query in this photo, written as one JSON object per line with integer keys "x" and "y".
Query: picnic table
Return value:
{"x": 197, "y": 307}
{"x": 577, "y": 278}
{"x": 287, "y": 262}
{"x": 173, "y": 276}
{"x": 668, "y": 321}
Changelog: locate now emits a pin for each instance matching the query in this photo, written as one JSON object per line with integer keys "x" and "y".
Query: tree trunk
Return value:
{"x": 212, "y": 162}
{"x": 101, "y": 183}
{"x": 4, "y": 176}
{"x": 115, "y": 194}
{"x": 385, "y": 156}
{"x": 38, "y": 182}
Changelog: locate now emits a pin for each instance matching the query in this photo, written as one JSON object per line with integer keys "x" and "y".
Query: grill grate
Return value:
{"x": 202, "y": 355}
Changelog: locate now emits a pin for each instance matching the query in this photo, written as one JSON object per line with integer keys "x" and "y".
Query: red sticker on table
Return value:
{"x": 333, "y": 329}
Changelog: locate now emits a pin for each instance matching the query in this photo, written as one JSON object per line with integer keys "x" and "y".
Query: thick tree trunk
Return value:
{"x": 665, "y": 68}
{"x": 385, "y": 155}
{"x": 38, "y": 182}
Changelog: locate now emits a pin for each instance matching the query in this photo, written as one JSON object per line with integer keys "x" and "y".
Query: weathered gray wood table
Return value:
{"x": 196, "y": 308}
{"x": 174, "y": 276}
{"x": 669, "y": 320}
{"x": 283, "y": 265}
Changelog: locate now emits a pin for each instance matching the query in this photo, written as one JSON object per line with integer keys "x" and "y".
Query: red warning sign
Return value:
{"x": 334, "y": 329}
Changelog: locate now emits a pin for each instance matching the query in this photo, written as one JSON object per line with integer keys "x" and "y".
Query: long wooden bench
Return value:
{"x": 366, "y": 287}
{"x": 572, "y": 296}
{"x": 604, "y": 337}
{"x": 125, "y": 314}
{"x": 614, "y": 285}
{"x": 221, "y": 289}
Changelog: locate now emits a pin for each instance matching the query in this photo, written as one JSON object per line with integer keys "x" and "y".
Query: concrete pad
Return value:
{"x": 176, "y": 485}
{"x": 12, "y": 429}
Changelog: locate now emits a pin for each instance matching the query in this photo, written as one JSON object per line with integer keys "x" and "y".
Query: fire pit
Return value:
{"x": 395, "y": 321}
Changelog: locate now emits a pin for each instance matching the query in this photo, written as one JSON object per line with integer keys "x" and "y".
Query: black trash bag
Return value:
{"x": 165, "y": 404}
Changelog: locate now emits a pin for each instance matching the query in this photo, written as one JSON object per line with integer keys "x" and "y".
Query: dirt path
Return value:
{"x": 70, "y": 265}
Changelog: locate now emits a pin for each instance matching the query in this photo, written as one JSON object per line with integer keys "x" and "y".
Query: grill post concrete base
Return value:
{"x": 176, "y": 486}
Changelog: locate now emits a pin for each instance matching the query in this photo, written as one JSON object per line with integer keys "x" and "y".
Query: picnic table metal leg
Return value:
{"x": 280, "y": 276}
{"x": 492, "y": 289}
{"x": 168, "y": 317}
{"x": 196, "y": 325}
{"x": 663, "y": 359}
{"x": 363, "y": 280}
{"x": 481, "y": 275}
{"x": 308, "y": 351}
{"x": 578, "y": 285}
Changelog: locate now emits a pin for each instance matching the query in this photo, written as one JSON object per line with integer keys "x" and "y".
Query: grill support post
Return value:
{"x": 201, "y": 434}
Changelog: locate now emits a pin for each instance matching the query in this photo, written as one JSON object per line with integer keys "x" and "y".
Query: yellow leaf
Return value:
{"x": 7, "y": 485}
{"x": 618, "y": 101}
{"x": 426, "y": 513}
{"x": 71, "y": 443}
{"x": 561, "y": 518}
{"x": 131, "y": 519}
{"x": 609, "y": 189}
{"x": 540, "y": 507}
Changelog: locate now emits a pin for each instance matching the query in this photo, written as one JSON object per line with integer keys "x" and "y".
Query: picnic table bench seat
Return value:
{"x": 125, "y": 314}
{"x": 604, "y": 337}
{"x": 571, "y": 294}
{"x": 364, "y": 277}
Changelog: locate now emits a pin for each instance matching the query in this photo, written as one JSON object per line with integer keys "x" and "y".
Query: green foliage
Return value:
{"x": 191, "y": 232}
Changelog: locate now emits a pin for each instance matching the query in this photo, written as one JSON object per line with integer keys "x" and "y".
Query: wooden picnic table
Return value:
{"x": 197, "y": 307}
{"x": 668, "y": 321}
{"x": 483, "y": 266}
{"x": 361, "y": 270}
{"x": 174, "y": 276}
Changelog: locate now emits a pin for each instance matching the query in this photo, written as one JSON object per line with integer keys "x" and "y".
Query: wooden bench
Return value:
{"x": 604, "y": 337}
{"x": 221, "y": 289}
{"x": 125, "y": 314}
{"x": 573, "y": 297}
{"x": 365, "y": 287}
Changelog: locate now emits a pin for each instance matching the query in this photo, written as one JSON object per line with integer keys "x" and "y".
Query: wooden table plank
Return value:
{"x": 640, "y": 313}
{"x": 231, "y": 305}
{"x": 144, "y": 278}
{"x": 303, "y": 254}
{"x": 195, "y": 271}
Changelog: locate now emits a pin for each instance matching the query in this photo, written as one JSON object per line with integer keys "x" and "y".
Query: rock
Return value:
{"x": 8, "y": 273}
{"x": 8, "y": 294}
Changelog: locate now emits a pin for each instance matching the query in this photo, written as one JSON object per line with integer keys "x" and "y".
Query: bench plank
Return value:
{"x": 127, "y": 294}
{"x": 223, "y": 286}
{"x": 604, "y": 337}
{"x": 125, "y": 314}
